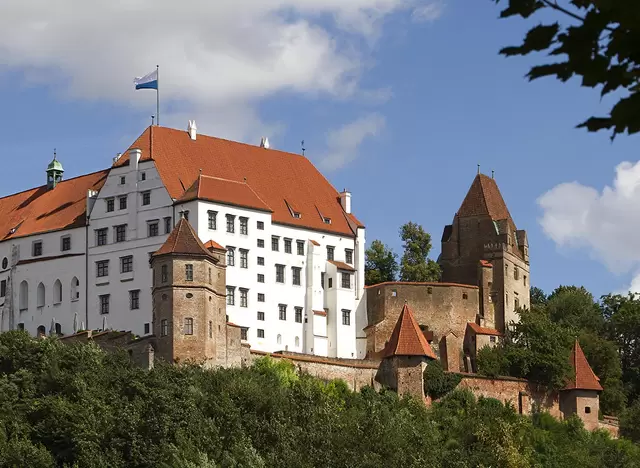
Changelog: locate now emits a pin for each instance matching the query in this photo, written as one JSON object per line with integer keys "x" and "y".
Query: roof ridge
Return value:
{"x": 61, "y": 182}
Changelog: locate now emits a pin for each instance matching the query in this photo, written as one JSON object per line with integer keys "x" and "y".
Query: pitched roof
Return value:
{"x": 183, "y": 240}
{"x": 407, "y": 339}
{"x": 41, "y": 210}
{"x": 230, "y": 192}
{"x": 484, "y": 198}
{"x": 276, "y": 177}
{"x": 213, "y": 245}
{"x": 585, "y": 378}
{"x": 483, "y": 330}
{"x": 342, "y": 265}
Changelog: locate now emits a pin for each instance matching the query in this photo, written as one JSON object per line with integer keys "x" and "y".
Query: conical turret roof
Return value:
{"x": 585, "y": 378}
{"x": 484, "y": 198}
{"x": 183, "y": 240}
{"x": 407, "y": 338}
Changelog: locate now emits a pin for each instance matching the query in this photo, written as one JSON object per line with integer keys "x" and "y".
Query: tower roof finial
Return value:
{"x": 478, "y": 168}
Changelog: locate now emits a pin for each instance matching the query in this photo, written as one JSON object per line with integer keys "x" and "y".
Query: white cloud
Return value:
{"x": 605, "y": 223}
{"x": 428, "y": 12}
{"x": 214, "y": 55}
{"x": 343, "y": 143}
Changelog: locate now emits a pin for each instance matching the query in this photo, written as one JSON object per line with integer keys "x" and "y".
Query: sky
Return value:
{"x": 397, "y": 101}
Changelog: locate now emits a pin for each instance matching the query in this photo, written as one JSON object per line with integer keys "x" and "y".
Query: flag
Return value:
{"x": 149, "y": 81}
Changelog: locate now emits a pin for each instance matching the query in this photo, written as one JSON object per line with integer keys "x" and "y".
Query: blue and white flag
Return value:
{"x": 148, "y": 81}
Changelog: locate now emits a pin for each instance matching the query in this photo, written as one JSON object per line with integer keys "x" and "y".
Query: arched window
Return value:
{"x": 297, "y": 342}
{"x": 42, "y": 331}
{"x": 75, "y": 289}
{"x": 58, "y": 329}
{"x": 40, "y": 296}
{"x": 24, "y": 296}
{"x": 279, "y": 339}
{"x": 57, "y": 292}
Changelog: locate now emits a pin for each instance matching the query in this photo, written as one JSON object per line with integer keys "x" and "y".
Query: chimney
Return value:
{"x": 134, "y": 158}
{"x": 345, "y": 201}
{"x": 192, "y": 129}
{"x": 264, "y": 142}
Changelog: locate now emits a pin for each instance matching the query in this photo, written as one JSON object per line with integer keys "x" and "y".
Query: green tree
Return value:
{"x": 437, "y": 382}
{"x": 415, "y": 264}
{"x": 598, "y": 41}
{"x": 575, "y": 308}
{"x": 538, "y": 297}
{"x": 381, "y": 264}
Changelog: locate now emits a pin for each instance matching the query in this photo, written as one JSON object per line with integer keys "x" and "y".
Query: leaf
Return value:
{"x": 561, "y": 70}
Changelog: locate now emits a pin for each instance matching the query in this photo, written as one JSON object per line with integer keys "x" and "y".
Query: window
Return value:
{"x": 492, "y": 339}
{"x": 282, "y": 311}
{"x": 146, "y": 198}
{"x": 143, "y": 176}
{"x": 57, "y": 292}
{"x": 122, "y": 180}
{"x": 121, "y": 233}
{"x": 346, "y": 317}
{"x": 244, "y": 297}
{"x": 330, "y": 283}
{"x": 297, "y": 342}
{"x": 348, "y": 256}
{"x": 153, "y": 229}
{"x": 506, "y": 299}
{"x": 65, "y": 243}
{"x": 261, "y": 243}
{"x": 75, "y": 289}
{"x": 231, "y": 295}
{"x": 279, "y": 273}
{"x": 516, "y": 273}
{"x": 300, "y": 245}
{"x": 104, "y": 304}
{"x": 260, "y": 297}
{"x": 243, "y": 333}
{"x": 346, "y": 280}
{"x": 21, "y": 326}
{"x": 3, "y": 288}
{"x": 167, "y": 225}
{"x": 134, "y": 299}
{"x": 210, "y": 329}
{"x": 212, "y": 219}
{"x": 587, "y": 410}
{"x": 231, "y": 256}
{"x": 188, "y": 272}
{"x": 188, "y": 326}
{"x": 185, "y": 214}
{"x": 102, "y": 268}
{"x": 24, "y": 295}
{"x": 146, "y": 325}
{"x": 164, "y": 327}
{"x": 244, "y": 258}
{"x": 260, "y": 225}
{"x": 261, "y": 316}
{"x": 126, "y": 264}
{"x": 37, "y": 248}
{"x": 123, "y": 202}
{"x": 244, "y": 225}
{"x": 330, "y": 252}
{"x": 5, "y": 263}
{"x": 296, "y": 275}
{"x": 260, "y": 278}
{"x": 516, "y": 304}
{"x": 260, "y": 333}
{"x": 465, "y": 296}
{"x": 275, "y": 243}
{"x": 524, "y": 279}
{"x": 164, "y": 273}
{"x": 111, "y": 204}
{"x": 101, "y": 236}
{"x": 231, "y": 223}
{"x": 279, "y": 339}
{"x": 298, "y": 315}
{"x": 287, "y": 246}
{"x": 261, "y": 261}
{"x": 322, "y": 275}
{"x": 40, "y": 296}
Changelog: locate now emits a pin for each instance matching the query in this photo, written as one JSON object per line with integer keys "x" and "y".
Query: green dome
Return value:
{"x": 55, "y": 166}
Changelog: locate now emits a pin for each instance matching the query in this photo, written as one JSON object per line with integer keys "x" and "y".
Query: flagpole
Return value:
{"x": 158, "y": 95}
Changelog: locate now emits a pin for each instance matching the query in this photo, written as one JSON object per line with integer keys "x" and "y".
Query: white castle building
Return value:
{"x": 75, "y": 253}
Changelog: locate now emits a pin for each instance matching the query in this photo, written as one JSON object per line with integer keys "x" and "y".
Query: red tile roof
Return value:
{"x": 486, "y": 264}
{"x": 183, "y": 240}
{"x": 342, "y": 265}
{"x": 484, "y": 198}
{"x": 229, "y": 192}
{"x": 40, "y": 210}
{"x": 585, "y": 378}
{"x": 213, "y": 245}
{"x": 322, "y": 313}
{"x": 483, "y": 330}
{"x": 276, "y": 177}
{"x": 407, "y": 339}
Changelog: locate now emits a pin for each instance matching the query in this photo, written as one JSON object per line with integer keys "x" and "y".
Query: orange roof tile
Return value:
{"x": 229, "y": 192}
{"x": 342, "y": 265}
{"x": 40, "y": 210}
{"x": 323, "y": 313}
{"x": 314, "y": 242}
{"x": 585, "y": 378}
{"x": 276, "y": 177}
{"x": 213, "y": 245}
{"x": 486, "y": 264}
{"x": 484, "y": 198}
{"x": 407, "y": 339}
{"x": 483, "y": 330}
{"x": 183, "y": 240}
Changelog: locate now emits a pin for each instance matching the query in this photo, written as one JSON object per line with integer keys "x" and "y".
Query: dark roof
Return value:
{"x": 183, "y": 240}
{"x": 585, "y": 378}
{"x": 484, "y": 199}
{"x": 407, "y": 339}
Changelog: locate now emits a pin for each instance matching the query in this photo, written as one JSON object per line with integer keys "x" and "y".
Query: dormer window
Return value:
{"x": 326, "y": 220}
{"x": 294, "y": 213}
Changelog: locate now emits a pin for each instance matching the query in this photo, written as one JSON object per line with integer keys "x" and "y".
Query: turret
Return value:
{"x": 54, "y": 172}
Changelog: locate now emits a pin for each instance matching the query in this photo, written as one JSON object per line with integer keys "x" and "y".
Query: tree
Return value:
{"x": 381, "y": 264}
{"x": 538, "y": 297}
{"x": 599, "y": 42}
{"x": 415, "y": 266}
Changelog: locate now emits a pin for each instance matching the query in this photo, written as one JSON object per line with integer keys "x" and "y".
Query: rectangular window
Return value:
{"x": 188, "y": 326}
{"x": 122, "y": 180}
{"x": 3, "y": 288}
{"x": 244, "y": 297}
{"x": 146, "y": 198}
{"x": 153, "y": 229}
{"x": 260, "y": 260}
{"x": 164, "y": 327}
{"x": 104, "y": 303}
{"x": 210, "y": 329}
{"x": 65, "y": 243}
{"x": 300, "y": 245}
{"x": 296, "y": 275}
{"x": 516, "y": 273}
{"x": 261, "y": 243}
{"x": 37, "y": 249}
{"x": 164, "y": 273}
{"x": 282, "y": 311}
{"x": 279, "y": 273}
{"x": 123, "y": 202}
{"x": 134, "y": 299}
{"x": 275, "y": 243}
{"x": 231, "y": 295}
{"x": 126, "y": 264}
{"x": 143, "y": 176}
{"x": 260, "y": 225}
{"x": 524, "y": 280}
{"x": 346, "y": 280}
{"x": 260, "y": 297}
{"x": 188, "y": 272}
{"x": 516, "y": 303}
{"x": 330, "y": 252}
{"x": 322, "y": 275}
{"x": 261, "y": 316}
{"x": 492, "y": 339}
{"x": 121, "y": 233}
{"x": 330, "y": 283}
{"x": 287, "y": 246}
{"x": 111, "y": 204}
{"x": 231, "y": 223}
{"x": 146, "y": 328}
{"x": 260, "y": 278}
{"x": 102, "y": 268}
{"x": 243, "y": 333}
{"x": 298, "y": 316}
{"x": 101, "y": 236}
{"x": 348, "y": 256}
{"x": 244, "y": 258}
{"x": 167, "y": 225}
{"x": 185, "y": 213}
{"x": 213, "y": 219}
{"x": 244, "y": 225}
{"x": 231, "y": 256}
{"x": 260, "y": 333}
{"x": 346, "y": 317}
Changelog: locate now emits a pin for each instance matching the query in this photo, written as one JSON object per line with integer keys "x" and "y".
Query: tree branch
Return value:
{"x": 554, "y": 5}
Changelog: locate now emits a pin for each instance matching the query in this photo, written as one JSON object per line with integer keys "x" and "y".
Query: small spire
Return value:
{"x": 492, "y": 173}
{"x": 54, "y": 154}
{"x": 303, "y": 148}
{"x": 181, "y": 214}
{"x": 478, "y": 168}
{"x": 153, "y": 117}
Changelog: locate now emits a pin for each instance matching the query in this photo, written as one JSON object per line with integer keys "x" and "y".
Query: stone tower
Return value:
{"x": 483, "y": 230}
{"x": 189, "y": 302}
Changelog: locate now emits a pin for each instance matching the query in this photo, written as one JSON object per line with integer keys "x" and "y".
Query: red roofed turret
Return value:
{"x": 585, "y": 378}
{"x": 407, "y": 339}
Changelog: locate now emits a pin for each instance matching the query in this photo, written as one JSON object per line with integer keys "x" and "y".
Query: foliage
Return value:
{"x": 538, "y": 297}
{"x": 415, "y": 264}
{"x": 629, "y": 426}
{"x": 599, "y": 42}
{"x": 437, "y": 382}
{"x": 381, "y": 264}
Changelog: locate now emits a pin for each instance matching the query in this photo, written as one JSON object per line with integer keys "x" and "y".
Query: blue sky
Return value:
{"x": 398, "y": 104}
